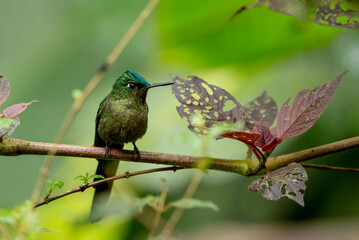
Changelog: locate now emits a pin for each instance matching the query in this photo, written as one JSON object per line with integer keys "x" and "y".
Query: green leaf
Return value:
{"x": 20, "y": 218}
{"x": 5, "y": 124}
{"x": 189, "y": 203}
{"x": 53, "y": 185}
{"x": 149, "y": 200}
{"x": 50, "y": 186}
{"x": 81, "y": 177}
{"x": 96, "y": 176}
{"x": 58, "y": 183}
{"x": 41, "y": 229}
{"x": 8, "y": 125}
{"x": 6, "y": 217}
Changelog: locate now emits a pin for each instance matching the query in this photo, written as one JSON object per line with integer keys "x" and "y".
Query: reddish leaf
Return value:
{"x": 247, "y": 138}
{"x": 267, "y": 141}
{"x": 266, "y": 135}
{"x": 262, "y": 109}
{"x": 273, "y": 131}
{"x": 16, "y": 109}
{"x": 4, "y": 89}
{"x": 268, "y": 148}
{"x": 212, "y": 103}
{"x": 307, "y": 107}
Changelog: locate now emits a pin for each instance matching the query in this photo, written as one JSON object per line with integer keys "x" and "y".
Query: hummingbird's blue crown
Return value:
{"x": 134, "y": 76}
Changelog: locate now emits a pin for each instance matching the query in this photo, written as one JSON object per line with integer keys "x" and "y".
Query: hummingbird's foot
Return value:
{"x": 136, "y": 152}
{"x": 107, "y": 151}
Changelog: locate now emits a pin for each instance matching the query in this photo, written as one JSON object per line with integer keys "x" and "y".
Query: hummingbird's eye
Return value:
{"x": 132, "y": 86}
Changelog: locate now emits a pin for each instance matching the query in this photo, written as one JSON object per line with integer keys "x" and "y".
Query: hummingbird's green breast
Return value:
{"x": 122, "y": 120}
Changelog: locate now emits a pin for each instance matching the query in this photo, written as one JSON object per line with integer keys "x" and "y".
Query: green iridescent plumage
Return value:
{"x": 121, "y": 118}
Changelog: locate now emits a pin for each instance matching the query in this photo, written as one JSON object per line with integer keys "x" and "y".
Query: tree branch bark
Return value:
{"x": 247, "y": 167}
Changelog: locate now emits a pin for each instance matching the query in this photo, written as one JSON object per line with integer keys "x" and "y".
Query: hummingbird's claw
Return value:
{"x": 107, "y": 151}
{"x": 136, "y": 152}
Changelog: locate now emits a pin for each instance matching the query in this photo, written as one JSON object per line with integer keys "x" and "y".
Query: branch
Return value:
{"x": 110, "y": 179}
{"x": 311, "y": 153}
{"x": 247, "y": 167}
{"x": 15, "y": 147}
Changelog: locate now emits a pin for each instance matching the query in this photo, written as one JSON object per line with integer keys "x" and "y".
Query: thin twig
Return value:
{"x": 159, "y": 210}
{"x": 178, "y": 212}
{"x": 333, "y": 168}
{"x": 110, "y": 179}
{"x": 311, "y": 153}
{"x": 86, "y": 93}
{"x": 189, "y": 193}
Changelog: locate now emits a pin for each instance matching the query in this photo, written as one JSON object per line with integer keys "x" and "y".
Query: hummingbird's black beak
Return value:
{"x": 160, "y": 84}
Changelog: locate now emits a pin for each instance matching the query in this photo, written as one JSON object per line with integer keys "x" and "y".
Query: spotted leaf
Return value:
{"x": 213, "y": 104}
{"x": 334, "y": 13}
{"x": 287, "y": 181}
{"x": 263, "y": 109}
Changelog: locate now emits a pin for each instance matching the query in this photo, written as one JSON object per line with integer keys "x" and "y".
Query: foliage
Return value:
{"x": 288, "y": 181}
{"x": 184, "y": 203}
{"x": 8, "y": 119}
{"x": 262, "y": 109}
{"x": 52, "y": 185}
{"x": 189, "y": 203}
{"x": 307, "y": 107}
{"x": 335, "y": 13}
{"x": 212, "y": 103}
{"x": 18, "y": 221}
{"x": 85, "y": 179}
{"x": 149, "y": 200}
{"x": 199, "y": 99}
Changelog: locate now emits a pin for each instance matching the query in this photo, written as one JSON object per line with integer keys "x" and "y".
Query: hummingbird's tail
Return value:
{"x": 105, "y": 168}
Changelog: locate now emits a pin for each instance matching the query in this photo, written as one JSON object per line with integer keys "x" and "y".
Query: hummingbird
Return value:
{"x": 121, "y": 118}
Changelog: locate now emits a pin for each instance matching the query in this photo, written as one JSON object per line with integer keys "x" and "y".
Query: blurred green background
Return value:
{"x": 50, "y": 48}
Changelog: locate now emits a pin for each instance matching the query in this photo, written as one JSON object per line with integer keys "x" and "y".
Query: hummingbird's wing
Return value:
{"x": 106, "y": 169}
{"x": 98, "y": 141}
